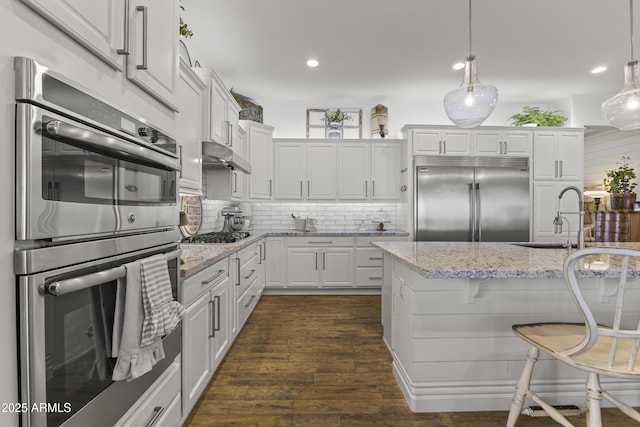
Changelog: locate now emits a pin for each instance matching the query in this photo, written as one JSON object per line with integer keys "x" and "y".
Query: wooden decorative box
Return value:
{"x": 617, "y": 226}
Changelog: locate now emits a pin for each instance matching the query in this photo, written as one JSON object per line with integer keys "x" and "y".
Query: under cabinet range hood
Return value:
{"x": 217, "y": 155}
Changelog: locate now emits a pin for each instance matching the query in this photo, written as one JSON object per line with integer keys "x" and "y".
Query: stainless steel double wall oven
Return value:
{"x": 96, "y": 188}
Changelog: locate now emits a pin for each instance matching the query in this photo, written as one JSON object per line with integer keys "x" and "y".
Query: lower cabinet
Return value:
{"x": 160, "y": 406}
{"x": 320, "y": 262}
{"x": 275, "y": 262}
{"x": 207, "y": 332}
{"x": 324, "y": 262}
{"x": 545, "y": 208}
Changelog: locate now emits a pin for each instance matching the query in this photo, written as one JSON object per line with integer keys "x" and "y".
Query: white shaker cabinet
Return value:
{"x": 276, "y": 260}
{"x": 441, "y": 142}
{"x": 153, "y": 59}
{"x": 221, "y": 112}
{"x": 305, "y": 170}
{"x": 112, "y": 32}
{"x": 96, "y": 25}
{"x": 196, "y": 355}
{"x": 190, "y": 98}
{"x": 289, "y": 170}
{"x": 369, "y": 170}
{"x": 508, "y": 143}
{"x": 206, "y": 334}
{"x": 558, "y": 155}
{"x": 260, "y": 155}
{"x": 545, "y": 200}
{"x": 353, "y": 171}
{"x": 385, "y": 171}
{"x": 321, "y": 171}
{"x": 320, "y": 262}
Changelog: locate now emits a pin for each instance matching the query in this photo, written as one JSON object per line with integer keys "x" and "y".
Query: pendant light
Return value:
{"x": 623, "y": 109}
{"x": 470, "y": 104}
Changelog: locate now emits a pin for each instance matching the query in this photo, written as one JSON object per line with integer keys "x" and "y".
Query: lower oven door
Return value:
{"x": 107, "y": 184}
{"x": 65, "y": 348}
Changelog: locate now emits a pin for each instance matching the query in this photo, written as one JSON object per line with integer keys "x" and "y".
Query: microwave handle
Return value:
{"x": 67, "y": 286}
{"x": 129, "y": 151}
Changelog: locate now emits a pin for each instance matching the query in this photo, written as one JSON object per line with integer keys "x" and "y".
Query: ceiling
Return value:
{"x": 535, "y": 52}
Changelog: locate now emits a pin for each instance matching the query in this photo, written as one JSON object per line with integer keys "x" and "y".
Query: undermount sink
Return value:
{"x": 545, "y": 245}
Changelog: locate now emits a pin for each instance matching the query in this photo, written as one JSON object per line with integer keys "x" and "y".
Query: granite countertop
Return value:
{"x": 494, "y": 260}
{"x": 197, "y": 256}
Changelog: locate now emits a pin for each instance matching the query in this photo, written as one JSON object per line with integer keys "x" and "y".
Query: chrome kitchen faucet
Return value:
{"x": 558, "y": 219}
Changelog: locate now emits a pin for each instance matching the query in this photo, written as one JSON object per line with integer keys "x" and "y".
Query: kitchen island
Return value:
{"x": 448, "y": 308}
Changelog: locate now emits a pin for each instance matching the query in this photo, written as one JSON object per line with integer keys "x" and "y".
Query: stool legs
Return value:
{"x": 594, "y": 396}
{"x": 523, "y": 387}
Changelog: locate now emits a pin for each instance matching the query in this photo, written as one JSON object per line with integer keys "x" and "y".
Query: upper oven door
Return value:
{"x": 73, "y": 180}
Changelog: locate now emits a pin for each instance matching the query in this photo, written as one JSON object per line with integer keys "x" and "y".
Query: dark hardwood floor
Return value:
{"x": 320, "y": 361}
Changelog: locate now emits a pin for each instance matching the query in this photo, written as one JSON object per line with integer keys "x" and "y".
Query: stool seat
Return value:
{"x": 590, "y": 346}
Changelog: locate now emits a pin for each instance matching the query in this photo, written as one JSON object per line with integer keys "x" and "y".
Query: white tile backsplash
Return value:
{"x": 272, "y": 215}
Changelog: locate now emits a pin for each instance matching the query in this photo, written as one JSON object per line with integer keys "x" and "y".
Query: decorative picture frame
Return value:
{"x": 317, "y": 128}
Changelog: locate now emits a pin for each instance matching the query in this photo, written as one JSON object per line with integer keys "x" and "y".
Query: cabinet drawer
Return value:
{"x": 321, "y": 241}
{"x": 158, "y": 402}
{"x": 603, "y": 236}
{"x": 245, "y": 255}
{"x": 368, "y": 257}
{"x": 370, "y": 276}
{"x": 366, "y": 240}
{"x": 200, "y": 282}
{"x": 248, "y": 273}
{"x": 247, "y": 302}
{"x": 612, "y": 227}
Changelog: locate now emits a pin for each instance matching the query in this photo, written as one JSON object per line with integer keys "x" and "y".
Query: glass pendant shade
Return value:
{"x": 470, "y": 104}
{"x": 623, "y": 109}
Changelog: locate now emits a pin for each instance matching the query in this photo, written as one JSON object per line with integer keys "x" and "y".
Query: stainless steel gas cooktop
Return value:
{"x": 217, "y": 237}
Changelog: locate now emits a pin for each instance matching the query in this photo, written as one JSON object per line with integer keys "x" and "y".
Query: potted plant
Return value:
{"x": 535, "y": 116}
{"x": 618, "y": 184}
{"x": 333, "y": 122}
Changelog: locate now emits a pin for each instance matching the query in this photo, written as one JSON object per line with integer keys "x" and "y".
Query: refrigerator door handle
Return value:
{"x": 478, "y": 214}
{"x": 472, "y": 217}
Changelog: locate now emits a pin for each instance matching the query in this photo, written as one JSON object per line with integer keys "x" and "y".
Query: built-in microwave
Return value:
{"x": 85, "y": 167}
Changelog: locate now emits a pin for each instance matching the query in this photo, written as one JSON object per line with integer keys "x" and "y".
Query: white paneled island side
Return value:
{"x": 447, "y": 312}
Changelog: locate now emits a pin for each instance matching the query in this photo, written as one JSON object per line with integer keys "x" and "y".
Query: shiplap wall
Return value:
{"x": 603, "y": 151}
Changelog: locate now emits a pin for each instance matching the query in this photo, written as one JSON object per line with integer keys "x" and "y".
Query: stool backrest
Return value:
{"x": 622, "y": 263}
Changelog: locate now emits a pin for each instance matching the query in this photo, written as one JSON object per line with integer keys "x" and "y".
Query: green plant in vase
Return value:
{"x": 535, "y": 116}
{"x": 333, "y": 123}
{"x": 619, "y": 184}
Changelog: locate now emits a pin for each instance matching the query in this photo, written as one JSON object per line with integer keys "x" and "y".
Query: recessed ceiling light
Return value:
{"x": 599, "y": 69}
{"x": 312, "y": 63}
{"x": 458, "y": 66}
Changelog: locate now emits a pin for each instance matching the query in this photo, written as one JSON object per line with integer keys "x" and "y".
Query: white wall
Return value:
{"x": 603, "y": 151}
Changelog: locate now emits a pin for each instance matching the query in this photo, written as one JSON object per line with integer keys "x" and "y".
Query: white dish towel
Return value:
{"x": 134, "y": 360}
{"x": 161, "y": 312}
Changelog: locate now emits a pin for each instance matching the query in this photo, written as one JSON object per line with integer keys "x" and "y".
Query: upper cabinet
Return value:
{"x": 96, "y": 25}
{"x": 146, "y": 33}
{"x": 190, "y": 94}
{"x": 342, "y": 170}
{"x": 441, "y": 142}
{"x": 305, "y": 170}
{"x": 259, "y": 146}
{"x": 508, "y": 143}
{"x": 558, "y": 154}
{"x": 221, "y": 115}
{"x": 152, "y": 62}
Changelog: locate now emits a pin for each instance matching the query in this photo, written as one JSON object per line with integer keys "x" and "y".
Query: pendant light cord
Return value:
{"x": 630, "y": 28}
{"x": 470, "y": 50}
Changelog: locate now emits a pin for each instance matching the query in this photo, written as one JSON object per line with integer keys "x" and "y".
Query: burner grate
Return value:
{"x": 217, "y": 237}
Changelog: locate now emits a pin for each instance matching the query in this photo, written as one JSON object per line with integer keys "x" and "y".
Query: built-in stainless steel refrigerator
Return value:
{"x": 477, "y": 199}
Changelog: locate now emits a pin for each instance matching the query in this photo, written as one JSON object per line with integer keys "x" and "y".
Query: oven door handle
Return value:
{"x": 67, "y": 286}
{"x": 102, "y": 142}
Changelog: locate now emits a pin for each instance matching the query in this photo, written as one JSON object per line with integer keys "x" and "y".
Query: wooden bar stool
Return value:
{"x": 596, "y": 349}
